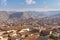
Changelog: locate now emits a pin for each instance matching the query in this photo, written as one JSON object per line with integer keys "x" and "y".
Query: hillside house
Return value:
{"x": 12, "y": 32}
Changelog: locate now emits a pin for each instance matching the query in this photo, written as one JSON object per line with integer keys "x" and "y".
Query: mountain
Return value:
{"x": 19, "y": 15}
{"x": 51, "y": 20}
{"x": 38, "y": 15}
{"x": 10, "y": 16}
{"x": 34, "y": 14}
{"x": 3, "y": 16}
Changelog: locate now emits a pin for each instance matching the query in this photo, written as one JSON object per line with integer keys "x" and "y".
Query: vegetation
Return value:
{"x": 52, "y": 36}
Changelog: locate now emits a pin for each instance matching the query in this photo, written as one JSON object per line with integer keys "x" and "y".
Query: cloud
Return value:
{"x": 37, "y": 9}
{"x": 45, "y": 6}
{"x": 58, "y": 4}
{"x": 30, "y": 1}
{"x": 31, "y": 9}
{"x": 3, "y": 3}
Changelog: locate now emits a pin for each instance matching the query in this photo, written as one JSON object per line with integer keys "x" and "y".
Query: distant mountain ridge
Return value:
{"x": 8, "y": 15}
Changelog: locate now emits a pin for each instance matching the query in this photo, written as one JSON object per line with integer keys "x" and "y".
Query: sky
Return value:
{"x": 37, "y": 5}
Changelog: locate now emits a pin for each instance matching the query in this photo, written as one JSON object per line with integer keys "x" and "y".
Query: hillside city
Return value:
{"x": 20, "y": 26}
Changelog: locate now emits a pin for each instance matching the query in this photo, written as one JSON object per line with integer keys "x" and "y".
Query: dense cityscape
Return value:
{"x": 26, "y": 27}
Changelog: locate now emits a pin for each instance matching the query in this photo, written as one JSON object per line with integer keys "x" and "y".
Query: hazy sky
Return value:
{"x": 29, "y": 4}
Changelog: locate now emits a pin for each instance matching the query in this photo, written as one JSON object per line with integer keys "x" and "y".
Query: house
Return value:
{"x": 24, "y": 30}
{"x": 42, "y": 28}
{"x": 12, "y": 33}
{"x": 34, "y": 31}
{"x": 42, "y": 38}
{"x": 25, "y": 34}
{"x": 19, "y": 39}
{"x": 1, "y": 38}
{"x": 2, "y": 32}
{"x": 51, "y": 32}
{"x": 5, "y": 37}
{"x": 32, "y": 37}
{"x": 44, "y": 33}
